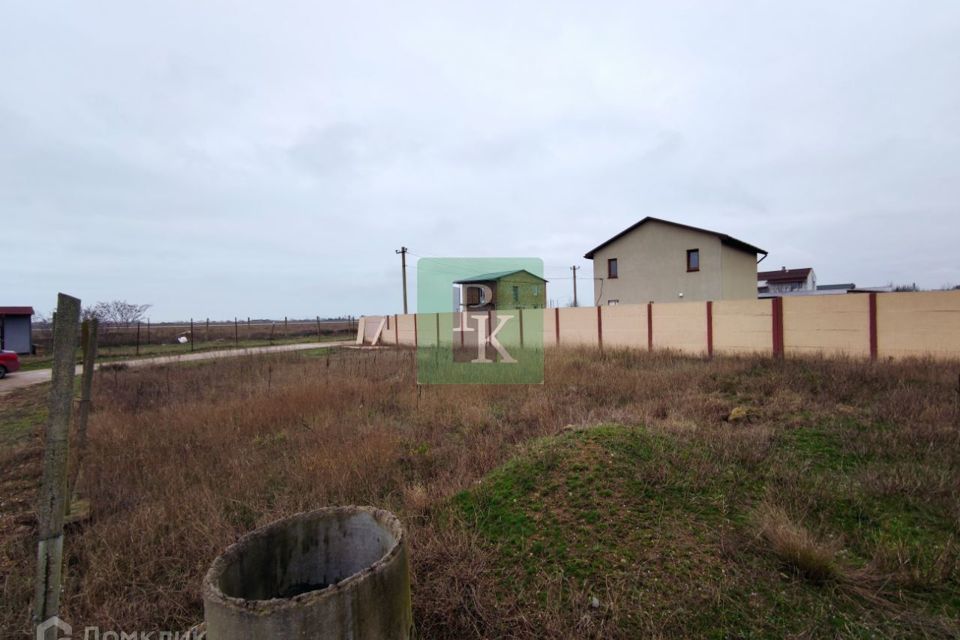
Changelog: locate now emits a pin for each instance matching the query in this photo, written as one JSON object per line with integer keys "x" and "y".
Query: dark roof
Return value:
{"x": 785, "y": 275}
{"x": 835, "y": 287}
{"x": 497, "y": 275}
{"x": 16, "y": 311}
{"x": 724, "y": 238}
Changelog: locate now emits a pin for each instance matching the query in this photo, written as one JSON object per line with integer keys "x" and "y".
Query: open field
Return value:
{"x": 108, "y": 353}
{"x": 632, "y": 495}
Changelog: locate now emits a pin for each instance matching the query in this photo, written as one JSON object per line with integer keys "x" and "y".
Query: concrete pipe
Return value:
{"x": 340, "y": 572}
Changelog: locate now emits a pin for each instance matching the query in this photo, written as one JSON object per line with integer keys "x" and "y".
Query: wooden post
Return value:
{"x": 286, "y": 328}
{"x": 138, "y": 339}
{"x": 272, "y": 326}
{"x": 148, "y": 330}
{"x": 206, "y": 332}
{"x": 873, "y": 326}
{"x": 89, "y": 346}
{"x": 236, "y": 333}
{"x": 53, "y": 486}
{"x": 438, "y": 331}
{"x": 191, "y": 334}
{"x": 319, "y": 334}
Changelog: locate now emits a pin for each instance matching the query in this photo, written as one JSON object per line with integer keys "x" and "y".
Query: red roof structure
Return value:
{"x": 16, "y": 311}
{"x": 784, "y": 275}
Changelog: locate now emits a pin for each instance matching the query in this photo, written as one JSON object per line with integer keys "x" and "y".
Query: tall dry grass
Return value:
{"x": 183, "y": 460}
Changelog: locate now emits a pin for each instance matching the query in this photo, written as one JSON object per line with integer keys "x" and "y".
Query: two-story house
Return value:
{"x": 657, "y": 260}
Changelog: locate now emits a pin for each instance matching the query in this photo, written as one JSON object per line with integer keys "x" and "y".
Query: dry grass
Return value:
{"x": 797, "y": 547}
{"x": 185, "y": 459}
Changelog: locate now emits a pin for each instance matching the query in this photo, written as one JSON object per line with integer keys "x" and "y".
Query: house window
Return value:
{"x": 612, "y": 268}
{"x": 536, "y": 290}
{"x": 613, "y": 302}
{"x": 693, "y": 259}
{"x": 516, "y": 294}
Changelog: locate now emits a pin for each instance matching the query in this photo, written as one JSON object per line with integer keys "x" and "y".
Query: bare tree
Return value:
{"x": 118, "y": 313}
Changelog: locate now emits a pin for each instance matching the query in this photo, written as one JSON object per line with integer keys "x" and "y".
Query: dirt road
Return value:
{"x": 22, "y": 379}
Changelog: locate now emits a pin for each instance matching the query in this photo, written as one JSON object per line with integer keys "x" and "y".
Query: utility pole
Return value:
{"x": 574, "y": 269}
{"x": 403, "y": 261}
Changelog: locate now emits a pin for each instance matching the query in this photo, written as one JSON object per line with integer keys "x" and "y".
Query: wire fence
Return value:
{"x": 141, "y": 338}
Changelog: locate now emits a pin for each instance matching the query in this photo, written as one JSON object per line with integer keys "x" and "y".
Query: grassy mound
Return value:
{"x": 617, "y": 531}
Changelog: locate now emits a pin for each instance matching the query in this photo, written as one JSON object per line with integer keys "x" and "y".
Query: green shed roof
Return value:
{"x": 497, "y": 275}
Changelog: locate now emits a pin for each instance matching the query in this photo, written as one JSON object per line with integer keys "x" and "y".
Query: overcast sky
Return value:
{"x": 266, "y": 159}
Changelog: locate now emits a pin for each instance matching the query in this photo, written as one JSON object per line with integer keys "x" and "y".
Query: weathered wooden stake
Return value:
{"x": 89, "y": 345}
{"x": 236, "y": 333}
{"x": 319, "y": 335}
{"x": 191, "y": 334}
{"x": 53, "y": 487}
{"x": 138, "y": 338}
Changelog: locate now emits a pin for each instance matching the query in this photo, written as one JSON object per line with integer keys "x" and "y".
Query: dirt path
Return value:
{"x": 22, "y": 379}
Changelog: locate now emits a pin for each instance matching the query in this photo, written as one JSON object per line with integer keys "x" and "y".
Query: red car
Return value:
{"x": 9, "y": 362}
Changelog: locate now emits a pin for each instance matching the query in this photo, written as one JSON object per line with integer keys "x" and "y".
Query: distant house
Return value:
{"x": 502, "y": 290}
{"x": 662, "y": 261}
{"x": 786, "y": 281}
{"x": 16, "y": 329}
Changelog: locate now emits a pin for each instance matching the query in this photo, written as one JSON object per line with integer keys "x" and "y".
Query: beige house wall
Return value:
{"x": 919, "y": 324}
{"x": 625, "y": 325}
{"x": 739, "y": 275}
{"x": 681, "y": 326}
{"x": 578, "y": 326}
{"x": 743, "y": 326}
{"x": 832, "y": 325}
{"x": 652, "y": 265}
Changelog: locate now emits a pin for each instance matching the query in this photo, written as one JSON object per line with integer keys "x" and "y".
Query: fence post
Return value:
{"x": 319, "y": 335}
{"x": 148, "y": 330}
{"x": 556, "y": 323}
{"x": 272, "y": 326}
{"x": 650, "y": 326}
{"x": 191, "y": 334}
{"x": 521, "y": 328}
{"x": 709, "y": 328}
{"x": 600, "y": 327}
{"x": 89, "y": 345}
{"x": 777, "y": 316}
{"x": 236, "y": 333}
{"x": 873, "y": 326}
{"x": 206, "y": 332}
{"x": 286, "y": 330}
{"x": 138, "y": 339}
{"x": 53, "y": 487}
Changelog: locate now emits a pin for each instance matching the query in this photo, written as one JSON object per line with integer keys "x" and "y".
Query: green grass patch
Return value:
{"x": 656, "y": 520}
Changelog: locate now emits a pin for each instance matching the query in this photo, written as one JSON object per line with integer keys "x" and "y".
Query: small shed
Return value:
{"x": 16, "y": 329}
{"x": 518, "y": 289}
